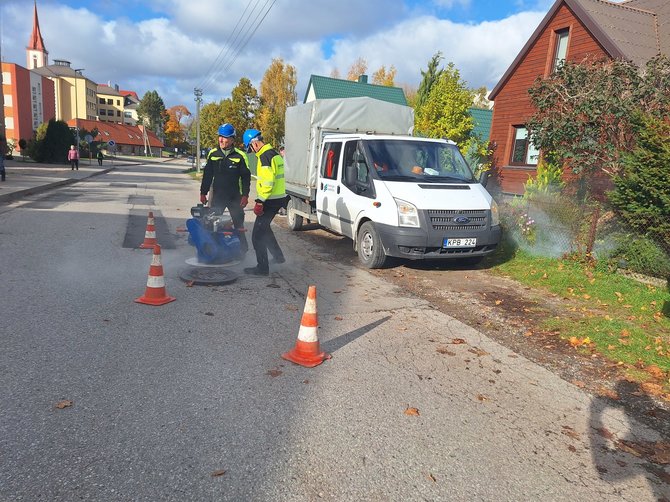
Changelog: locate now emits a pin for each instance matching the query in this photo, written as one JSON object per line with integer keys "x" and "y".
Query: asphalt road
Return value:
{"x": 191, "y": 400}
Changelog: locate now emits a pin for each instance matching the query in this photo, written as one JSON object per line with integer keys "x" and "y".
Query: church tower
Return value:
{"x": 36, "y": 54}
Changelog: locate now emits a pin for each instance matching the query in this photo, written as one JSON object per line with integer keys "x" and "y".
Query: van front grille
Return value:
{"x": 454, "y": 219}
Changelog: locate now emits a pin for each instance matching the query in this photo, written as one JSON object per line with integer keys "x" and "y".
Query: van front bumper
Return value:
{"x": 419, "y": 244}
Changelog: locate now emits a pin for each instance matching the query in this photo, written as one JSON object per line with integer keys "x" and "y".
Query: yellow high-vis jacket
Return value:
{"x": 270, "y": 174}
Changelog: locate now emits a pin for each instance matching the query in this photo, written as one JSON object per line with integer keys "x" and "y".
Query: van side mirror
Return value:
{"x": 484, "y": 178}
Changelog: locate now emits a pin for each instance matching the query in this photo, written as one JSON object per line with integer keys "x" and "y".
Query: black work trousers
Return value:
{"x": 236, "y": 214}
{"x": 263, "y": 238}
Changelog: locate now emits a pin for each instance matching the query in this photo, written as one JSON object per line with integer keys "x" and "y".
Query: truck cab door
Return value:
{"x": 328, "y": 187}
{"x": 357, "y": 187}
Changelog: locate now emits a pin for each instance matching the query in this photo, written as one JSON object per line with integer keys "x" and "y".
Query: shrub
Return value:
{"x": 641, "y": 255}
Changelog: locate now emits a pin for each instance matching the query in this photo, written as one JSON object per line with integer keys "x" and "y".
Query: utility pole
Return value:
{"x": 198, "y": 100}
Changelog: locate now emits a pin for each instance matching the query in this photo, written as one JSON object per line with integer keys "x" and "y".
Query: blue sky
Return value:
{"x": 173, "y": 46}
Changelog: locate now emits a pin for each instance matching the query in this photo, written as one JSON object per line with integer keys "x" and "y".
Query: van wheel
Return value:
{"x": 293, "y": 220}
{"x": 370, "y": 250}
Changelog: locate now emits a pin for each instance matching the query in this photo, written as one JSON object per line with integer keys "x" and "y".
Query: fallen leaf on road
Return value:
{"x": 604, "y": 392}
{"x": 190, "y": 284}
{"x": 477, "y": 351}
{"x": 658, "y": 452}
{"x": 337, "y": 291}
{"x": 498, "y": 302}
{"x": 273, "y": 285}
{"x": 338, "y": 318}
{"x": 570, "y": 432}
{"x": 218, "y": 473}
{"x": 445, "y": 351}
{"x": 482, "y": 397}
{"x": 528, "y": 333}
{"x": 66, "y": 403}
{"x": 431, "y": 477}
{"x": 209, "y": 313}
{"x": 457, "y": 341}
{"x": 292, "y": 308}
{"x": 572, "y": 448}
{"x": 578, "y": 383}
{"x": 412, "y": 412}
{"x": 652, "y": 388}
{"x": 274, "y": 373}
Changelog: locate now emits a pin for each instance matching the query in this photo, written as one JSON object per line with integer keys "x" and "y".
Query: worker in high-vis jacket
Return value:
{"x": 271, "y": 193}
{"x": 227, "y": 172}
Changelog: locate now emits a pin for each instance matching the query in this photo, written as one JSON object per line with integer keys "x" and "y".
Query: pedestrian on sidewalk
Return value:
{"x": 3, "y": 150}
{"x": 100, "y": 156}
{"x": 270, "y": 188}
{"x": 73, "y": 157}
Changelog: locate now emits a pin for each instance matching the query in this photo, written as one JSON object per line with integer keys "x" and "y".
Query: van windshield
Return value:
{"x": 425, "y": 161}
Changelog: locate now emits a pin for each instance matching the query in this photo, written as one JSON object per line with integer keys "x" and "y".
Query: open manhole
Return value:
{"x": 208, "y": 276}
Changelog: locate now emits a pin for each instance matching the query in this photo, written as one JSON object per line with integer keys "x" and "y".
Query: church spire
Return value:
{"x": 36, "y": 53}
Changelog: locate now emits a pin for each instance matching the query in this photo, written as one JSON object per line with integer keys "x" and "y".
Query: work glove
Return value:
{"x": 244, "y": 201}
{"x": 203, "y": 198}
{"x": 258, "y": 209}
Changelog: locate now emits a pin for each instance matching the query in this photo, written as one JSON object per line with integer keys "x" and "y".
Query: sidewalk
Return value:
{"x": 29, "y": 178}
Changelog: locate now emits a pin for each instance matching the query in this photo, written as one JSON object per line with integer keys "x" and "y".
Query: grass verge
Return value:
{"x": 625, "y": 321}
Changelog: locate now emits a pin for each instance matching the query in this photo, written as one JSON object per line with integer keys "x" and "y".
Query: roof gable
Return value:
{"x": 331, "y": 88}
{"x": 623, "y": 30}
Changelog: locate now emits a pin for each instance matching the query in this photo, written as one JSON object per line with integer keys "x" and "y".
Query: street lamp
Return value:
{"x": 77, "y": 71}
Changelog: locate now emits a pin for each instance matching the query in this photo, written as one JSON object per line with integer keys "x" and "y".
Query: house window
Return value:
{"x": 110, "y": 101}
{"x": 103, "y": 111}
{"x": 561, "y": 49}
{"x": 523, "y": 151}
{"x": 102, "y": 101}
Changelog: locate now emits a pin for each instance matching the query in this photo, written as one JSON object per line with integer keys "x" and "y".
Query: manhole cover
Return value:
{"x": 206, "y": 276}
{"x": 195, "y": 263}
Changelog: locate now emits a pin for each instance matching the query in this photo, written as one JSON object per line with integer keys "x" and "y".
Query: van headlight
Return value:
{"x": 408, "y": 215}
{"x": 495, "y": 214}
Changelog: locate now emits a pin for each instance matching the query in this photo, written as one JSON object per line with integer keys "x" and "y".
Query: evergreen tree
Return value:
{"x": 642, "y": 193}
{"x": 429, "y": 77}
{"x": 151, "y": 112}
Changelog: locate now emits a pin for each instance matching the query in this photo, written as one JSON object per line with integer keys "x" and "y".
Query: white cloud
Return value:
{"x": 175, "y": 51}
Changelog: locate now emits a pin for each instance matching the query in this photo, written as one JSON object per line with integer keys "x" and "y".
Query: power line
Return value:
{"x": 226, "y": 46}
{"x": 237, "y": 45}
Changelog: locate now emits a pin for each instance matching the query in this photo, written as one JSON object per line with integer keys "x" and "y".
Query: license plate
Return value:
{"x": 461, "y": 242}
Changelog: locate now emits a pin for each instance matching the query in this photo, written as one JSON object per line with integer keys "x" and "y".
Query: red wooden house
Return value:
{"x": 572, "y": 30}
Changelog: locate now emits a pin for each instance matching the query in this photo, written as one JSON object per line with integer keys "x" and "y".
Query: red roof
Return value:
{"x": 122, "y": 134}
{"x": 129, "y": 93}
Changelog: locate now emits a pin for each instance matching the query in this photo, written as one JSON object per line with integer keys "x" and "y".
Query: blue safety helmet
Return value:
{"x": 226, "y": 130}
{"x": 248, "y": 135}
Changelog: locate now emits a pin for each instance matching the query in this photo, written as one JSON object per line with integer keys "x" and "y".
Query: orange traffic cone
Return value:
{"x": 155, "y": 293}
{"x": 306, "y": 351}
{"x": 150, "y": 233}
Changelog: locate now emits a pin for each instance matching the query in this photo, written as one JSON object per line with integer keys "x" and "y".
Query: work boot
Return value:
{"x": 278, "y": 260}
{"x": 256, "y": 271}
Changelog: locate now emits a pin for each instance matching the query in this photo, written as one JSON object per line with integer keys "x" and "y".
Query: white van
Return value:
{"x": 392, "y": 194}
